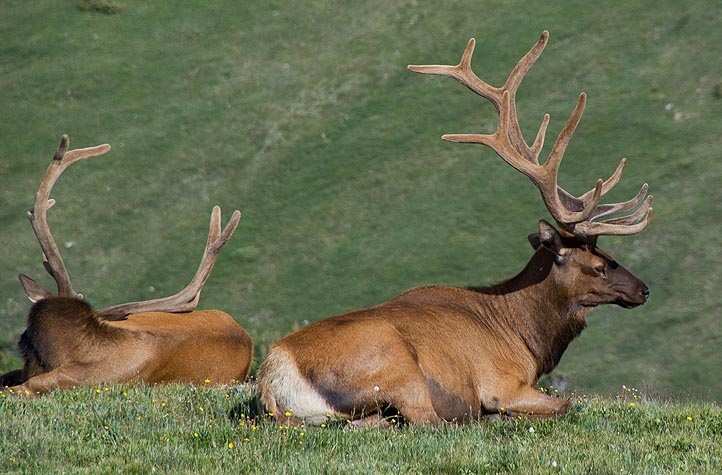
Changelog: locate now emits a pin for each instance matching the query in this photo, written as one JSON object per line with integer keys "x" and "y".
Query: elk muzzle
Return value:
{"x": 632, "y": 291}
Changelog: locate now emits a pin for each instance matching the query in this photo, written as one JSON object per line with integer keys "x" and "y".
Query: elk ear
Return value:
{"x": 33, "y": 290}
{"x": 534, "y": 240}
{"x": 549, "y": 238}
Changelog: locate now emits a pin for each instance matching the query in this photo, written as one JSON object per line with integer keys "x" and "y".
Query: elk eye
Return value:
{"x": 601, "y": 270}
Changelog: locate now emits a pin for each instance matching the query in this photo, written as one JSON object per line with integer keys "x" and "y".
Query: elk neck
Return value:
{"x": 535, "y": 307}
{"x": 55, "y": 322}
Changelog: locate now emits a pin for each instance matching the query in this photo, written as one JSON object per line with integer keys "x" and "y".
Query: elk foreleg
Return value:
{"x": 60, "y": 378}
{"x": 530, "y": 403}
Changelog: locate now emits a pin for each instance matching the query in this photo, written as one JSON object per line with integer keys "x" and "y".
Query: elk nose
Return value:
{"x": 645, "y": 293}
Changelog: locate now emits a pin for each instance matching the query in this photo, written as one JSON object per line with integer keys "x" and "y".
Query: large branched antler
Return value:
{"x": 582, "y": 215}
{"x": 185, "y": 300}
{"x": 38, "y": 215}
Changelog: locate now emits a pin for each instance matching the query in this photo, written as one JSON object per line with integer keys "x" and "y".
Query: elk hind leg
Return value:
{"x": 413, "y": 401}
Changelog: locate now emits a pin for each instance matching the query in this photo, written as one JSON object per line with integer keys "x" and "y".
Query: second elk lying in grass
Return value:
{"x": 67, "y": 343}
{"x": 442, "y": 353}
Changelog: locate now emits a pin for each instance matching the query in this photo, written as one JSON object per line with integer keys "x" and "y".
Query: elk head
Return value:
{"x": 585, "y": 274}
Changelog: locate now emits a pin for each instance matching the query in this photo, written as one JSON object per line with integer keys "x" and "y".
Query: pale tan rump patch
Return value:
{"x": 283, "y": 388}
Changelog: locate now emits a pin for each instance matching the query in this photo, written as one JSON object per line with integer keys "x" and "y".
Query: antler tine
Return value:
{"x": 639, "y": 215}
{"x": 621, "y": 207}
{"x": 526, "y": 62}
{"x": 539, "y": 140}
{"x": 187, "y": 299}
{"x": 623, "y": 226}
{"x": 573, "y": 214}
{"x": 52, "y": 259}
{"x": 463, "y": 73}
{"x": 512, "y": 85}
{"x": 609, "y": 182}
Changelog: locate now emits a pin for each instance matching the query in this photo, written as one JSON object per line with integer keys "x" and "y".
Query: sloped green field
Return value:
{"x": 305, "y": 118}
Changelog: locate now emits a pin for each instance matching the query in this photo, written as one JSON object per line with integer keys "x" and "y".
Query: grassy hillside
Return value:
{"x": 307, "y": 120}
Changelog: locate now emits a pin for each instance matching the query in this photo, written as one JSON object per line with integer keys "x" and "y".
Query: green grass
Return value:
{"x": 137, "y": 429}
{"x": 307, "y": 120}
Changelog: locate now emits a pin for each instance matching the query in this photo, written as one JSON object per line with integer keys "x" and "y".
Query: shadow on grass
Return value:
{"x": 250, "y": 408}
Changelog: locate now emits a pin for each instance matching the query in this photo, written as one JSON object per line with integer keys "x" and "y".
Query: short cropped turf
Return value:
{"x": 181, "y": 429}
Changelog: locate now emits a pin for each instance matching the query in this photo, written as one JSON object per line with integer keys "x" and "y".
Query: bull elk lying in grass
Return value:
{"x": 441, "y": 353}
{"x": 67, "y": 343}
